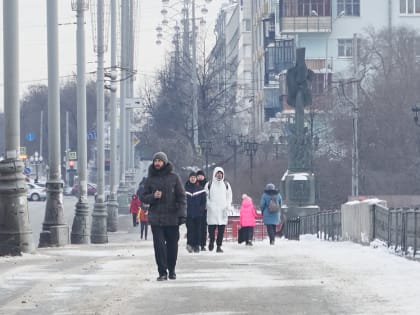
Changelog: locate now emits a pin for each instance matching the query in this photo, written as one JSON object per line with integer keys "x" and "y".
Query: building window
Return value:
{"x": 349, "y": 7}
{"x": 345, "y": 48}
{"x": 306, "y": 8}
{"x": 247, "y": 25}
{"x": 409, "y": 6}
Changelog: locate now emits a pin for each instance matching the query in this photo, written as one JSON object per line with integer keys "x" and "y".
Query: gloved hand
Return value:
{"x": 182, "y": 220}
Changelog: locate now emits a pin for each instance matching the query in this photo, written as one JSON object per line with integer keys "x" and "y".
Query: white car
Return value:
{"x": 36, "y": 193}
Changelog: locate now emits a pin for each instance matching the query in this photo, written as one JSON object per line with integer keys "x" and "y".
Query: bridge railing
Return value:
{"x": 399, "y": 228}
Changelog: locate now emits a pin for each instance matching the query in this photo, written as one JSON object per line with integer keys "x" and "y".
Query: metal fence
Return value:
{"x": 399, "y": 228}
{"x": 325, "y": 224}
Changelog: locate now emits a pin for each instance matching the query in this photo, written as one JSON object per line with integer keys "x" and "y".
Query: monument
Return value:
{"x": 298, "y": 183}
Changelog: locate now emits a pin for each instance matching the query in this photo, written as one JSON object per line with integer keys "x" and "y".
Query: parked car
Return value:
{"x": 36, "y": 193}
{"x": 67, "y": 191}
{"x": 91, "y": 189}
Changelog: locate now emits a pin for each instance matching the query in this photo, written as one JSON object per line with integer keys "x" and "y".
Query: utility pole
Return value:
{"x": 55, "y": 231}
{"x": 80, "y": 233}
{"x": 355, "y": 155}
{"x": 122, "y": 189}
{"x": 194, "y": 82}
{"x": 112, "y": 219}
{"x": 99, "y": 224}
{"x": 15, "y": 232}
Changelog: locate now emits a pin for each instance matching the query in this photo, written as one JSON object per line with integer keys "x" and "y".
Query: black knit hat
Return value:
{"x": 192, "y": 174}
{"x": 200, "y": 172}
{"x": 161, "y": 156}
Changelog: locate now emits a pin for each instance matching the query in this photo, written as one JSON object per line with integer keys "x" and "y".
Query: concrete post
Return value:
{"x": 80, "y": 233}
{"x": 15, "y": 231}
{"x": 99, "y": 225}
{"x": 55, "y": 231}
{"x": 112, "y": 219}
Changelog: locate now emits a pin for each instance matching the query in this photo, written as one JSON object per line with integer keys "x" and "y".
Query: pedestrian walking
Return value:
{"x": 134, "y": 208}
{"x": 270, "y": 206}
{"x": 247, "y": 216}
{"x": 202, "y": 181}
{"x": 219, "y": 202}
{"x": 165, "y": 195}
{"x": 196, "y": 202}
{"x": 144, "y": 222}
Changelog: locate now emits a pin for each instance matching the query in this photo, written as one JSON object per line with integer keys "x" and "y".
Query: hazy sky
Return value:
{"x": 33, "y": 40}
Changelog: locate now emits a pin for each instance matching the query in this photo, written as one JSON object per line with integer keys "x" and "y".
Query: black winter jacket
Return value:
{"x": 196, "y": 200}
{"x": 167, "y": 210}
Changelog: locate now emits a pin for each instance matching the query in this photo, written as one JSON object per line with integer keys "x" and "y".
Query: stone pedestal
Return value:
{"x": 298, "y": 192}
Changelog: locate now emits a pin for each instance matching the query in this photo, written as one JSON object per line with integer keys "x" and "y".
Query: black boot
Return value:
{"x": 211, "y": 246}
{"x": 219, "y": 249}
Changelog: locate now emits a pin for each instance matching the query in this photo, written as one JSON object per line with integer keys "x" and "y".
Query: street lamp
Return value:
{"x": 207, "y": 147}
{"x": 36, "y": 160}
{"x": 251, "y": 148}
{"x": 235, "y": 142}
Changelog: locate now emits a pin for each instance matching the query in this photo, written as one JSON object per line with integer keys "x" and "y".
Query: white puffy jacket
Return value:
{"x": 219, "y": 199}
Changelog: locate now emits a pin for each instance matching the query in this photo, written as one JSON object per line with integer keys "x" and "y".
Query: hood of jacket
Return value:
{"x": 218, "y": 169}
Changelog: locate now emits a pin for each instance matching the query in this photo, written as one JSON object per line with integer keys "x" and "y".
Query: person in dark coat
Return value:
{"x": 165, "y": 195}
{"x": 202, "y": 181}
{"x": 196, "y": 202}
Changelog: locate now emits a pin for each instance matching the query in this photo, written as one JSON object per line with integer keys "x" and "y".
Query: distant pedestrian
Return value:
{"x": 247, "y": 216}
{"x": 196, "y": 202}
{"x": 134, "y": 208}
{"x": 202, "y": 181}
{"x": 271, "y": 217}
{"x": 144, "y": 221}
{"x": 165, "y": 195}
{"x": 219, "y": 202}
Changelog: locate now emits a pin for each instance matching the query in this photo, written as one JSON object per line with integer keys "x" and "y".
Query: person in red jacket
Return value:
{"x": 247, "y": 216}
{"x": 144, "y": 221}
{"x": 134, "y": 208}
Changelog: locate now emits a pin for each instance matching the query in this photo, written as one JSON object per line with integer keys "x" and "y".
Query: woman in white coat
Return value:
{"x": 219, "y": 202}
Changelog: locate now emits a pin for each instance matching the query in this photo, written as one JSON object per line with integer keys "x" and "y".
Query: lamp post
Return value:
{"x": 15, "y": 232}
{"x": 36, "y": 160}
{"x": 207, "y": 147}
{"x": 251, "y": 147}
{"x": 80, "y": 233}
{"x": 100, "y": 213}
{"x": 235, "y": 142}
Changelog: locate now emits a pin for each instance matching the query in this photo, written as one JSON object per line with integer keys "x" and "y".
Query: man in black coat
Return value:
{"x": 165, "y": 194}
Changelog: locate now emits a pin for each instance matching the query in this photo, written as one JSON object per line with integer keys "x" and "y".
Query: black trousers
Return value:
{"x": 220, "y": 233}
{"x": 143, "y": 229}
{"x": 203, "y": 236}
{"x": 165, "y": 243}
{"x": 271, "y": 231}
{"x": 249, "y": 233}
{"x": 193, "y": 231}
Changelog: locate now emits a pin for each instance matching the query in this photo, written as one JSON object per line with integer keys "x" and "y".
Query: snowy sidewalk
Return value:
{"x": 306, "y": 277}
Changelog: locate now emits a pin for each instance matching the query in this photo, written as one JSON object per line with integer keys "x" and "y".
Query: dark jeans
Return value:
{"x": 249, "y": 233}
{"x": 165, "y": 243}
{"x": 134, "y": 219}
{"x": 143, "y": 229}
{"x": 271, "y": 231}
{"x": 220, "y": 232}
{"x": 193, "y": 231}
{"x": 203, "y": 236}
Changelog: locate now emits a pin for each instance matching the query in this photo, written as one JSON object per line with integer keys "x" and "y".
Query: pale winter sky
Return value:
{"x": 33, "y": 40}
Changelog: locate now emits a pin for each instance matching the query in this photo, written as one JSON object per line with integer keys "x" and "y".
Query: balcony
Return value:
{"x": 306, "y": 24}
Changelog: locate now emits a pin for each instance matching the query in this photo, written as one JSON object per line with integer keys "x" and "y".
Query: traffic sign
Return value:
{"x": 72, "y": 155}
{"x": 30, "y": 136}
{"x": 91, "y": 135}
